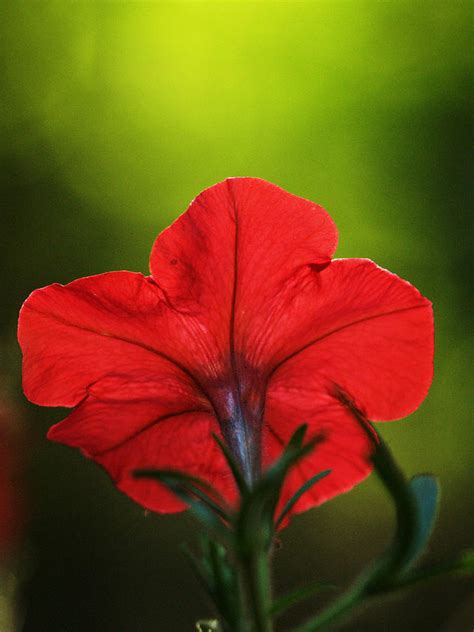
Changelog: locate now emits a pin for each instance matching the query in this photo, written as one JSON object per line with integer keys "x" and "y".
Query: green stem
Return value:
{"x": 459, "y": 566}
{"x": 256, "y": 574}
{"x": 368, "y": 586}
{"x": 378, "y": 576}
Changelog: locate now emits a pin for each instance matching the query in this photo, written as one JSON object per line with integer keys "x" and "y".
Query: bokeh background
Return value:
{"x": 114, "y": 116}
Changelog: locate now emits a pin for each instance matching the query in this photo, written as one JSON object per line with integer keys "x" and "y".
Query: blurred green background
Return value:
{"x": 114, "y": 116}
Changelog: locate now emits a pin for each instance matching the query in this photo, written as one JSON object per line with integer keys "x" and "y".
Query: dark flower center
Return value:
{"x": 239, "y": 405}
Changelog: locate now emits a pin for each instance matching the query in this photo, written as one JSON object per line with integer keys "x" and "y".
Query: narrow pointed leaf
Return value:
{"x": 272, "y": 481}
{"x": 181, "y": 477}
{"x": 193, "y": 485}
{"x": 179, "y": 485}
{"x": 297, "y": 438}
{"x": 297, "y": 495}
{"x": 258, "y": 507}
{"x": 234, "y": 467}
{"x": 199, "y": 510}
{"x": 227, "y": 585}
{"x": 294, "y": 452}
{"x": 201, "y": 570}
{"x": 220, "y": 579}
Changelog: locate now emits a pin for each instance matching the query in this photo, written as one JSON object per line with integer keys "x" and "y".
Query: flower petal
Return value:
{"x": 226, "y": 260}
{"x": 74, "y": 335}
{"x": 119, "y": 408}
{"x": 372, "y": 335}
{"x": 182, "y": 443}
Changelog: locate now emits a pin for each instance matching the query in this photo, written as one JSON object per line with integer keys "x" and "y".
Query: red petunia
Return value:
{"x": 245, "y": 328}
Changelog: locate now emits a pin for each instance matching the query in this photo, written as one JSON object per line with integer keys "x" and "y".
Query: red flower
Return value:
{"x": 244, "y": 328}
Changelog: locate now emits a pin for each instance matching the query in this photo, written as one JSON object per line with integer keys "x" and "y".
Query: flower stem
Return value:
{"x": 385, "y": 569}
{"x": 256, "y": 576}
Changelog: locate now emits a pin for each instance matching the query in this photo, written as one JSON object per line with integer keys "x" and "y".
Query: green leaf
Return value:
{"x": 199, "y": 510}
{"x": 228, "y": 598}
{"x": 272, "y": 480}
{"x": 294, "y": 452}
{"x": 425, "y": 490}
{"x": 192, "y": 484}
{"x": 201, "y": 570}
{"x": 204, "y": 509}
{"x": 183, "y": 478}
{"x": 297, "y": 495}
{"x": 297, "y": 595}
{"x": 297, "y": 438}
{"x": 234, "y": 467}
{"x": 255, "y": 520}
{"x": 219, "y": 575}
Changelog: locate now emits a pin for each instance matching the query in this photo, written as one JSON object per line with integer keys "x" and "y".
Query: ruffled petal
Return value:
{"x": 372, "y": 335}
{"x": 119, "y": 408}
{"x": 183, "y": 443}
{"x": 234, "y": 261}
{"x": 74, "y": 335}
